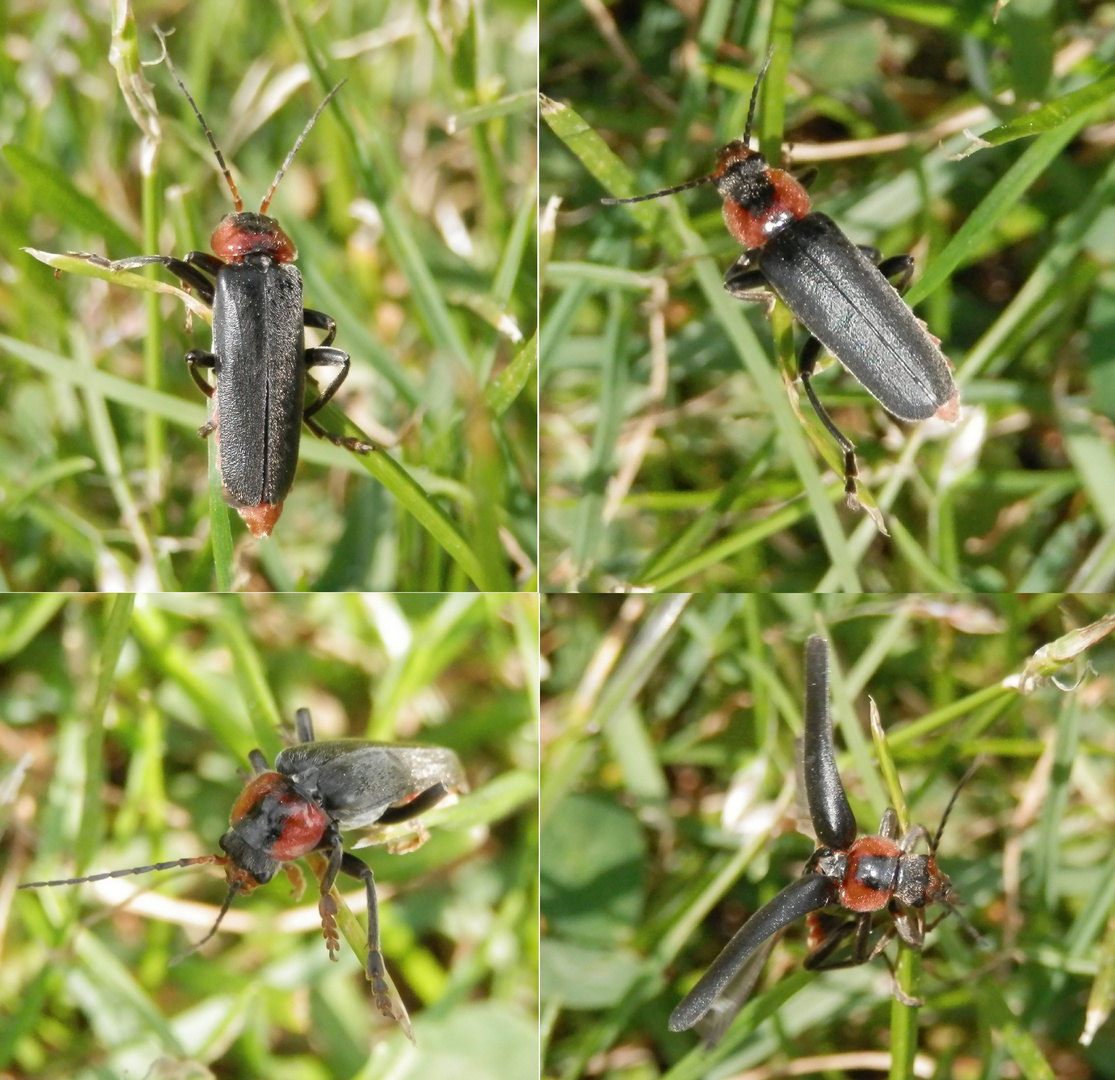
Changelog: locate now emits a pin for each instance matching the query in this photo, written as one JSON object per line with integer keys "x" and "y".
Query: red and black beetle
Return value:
{"x": 259, "y": 358}
{"x": 844, "y": 877}
{"x": 841, "y": 293}
{"x": 315, "y": 790}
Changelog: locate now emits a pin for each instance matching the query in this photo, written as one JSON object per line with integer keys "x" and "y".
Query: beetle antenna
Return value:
{"x": 948, "y": 809}
{"x": 290, "y": 157}
{"x": 197, "y": 861}
{"x": 755, "y": 97}
{"x": 710, "y": 178}
{"x": 233, "y": 889}
{"x": 978, "y": 938}
{"x": 208, "y": 134}
{"x": 665, "y": 191}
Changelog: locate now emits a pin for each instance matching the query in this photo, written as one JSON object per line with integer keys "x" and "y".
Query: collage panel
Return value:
{"x": 389, "y": 740}
{"x": 367, "y": 387}
{"x": 698, "y": 435}
{"x": 719, "y": 865}
{"x": 826, "y": 292}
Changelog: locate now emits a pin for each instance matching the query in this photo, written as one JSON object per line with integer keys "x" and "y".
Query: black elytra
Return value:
{"x": 840, "y": 293}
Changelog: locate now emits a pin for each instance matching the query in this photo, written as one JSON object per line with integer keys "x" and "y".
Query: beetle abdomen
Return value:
{"x": 261, "y": 378}
{"x": 834, "y": 290}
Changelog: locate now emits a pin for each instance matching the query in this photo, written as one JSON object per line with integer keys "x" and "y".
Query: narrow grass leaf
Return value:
{"x": 54, "y": 188}
{"x": 1050, "y": 116}
{"x": 94, "y": 267}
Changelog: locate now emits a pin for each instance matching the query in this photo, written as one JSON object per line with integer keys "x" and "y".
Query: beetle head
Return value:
{"x": 272, "y": 822}
{"x": 740, "y": 172}
{"x": 940, "y": 888}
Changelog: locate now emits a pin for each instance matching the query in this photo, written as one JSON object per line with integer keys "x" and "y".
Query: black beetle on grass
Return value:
{"x": 839, "y": 292}
{"x": 845, "y": 884}
{"x": 259, "y": 357}
{"x": 315, "y": 790}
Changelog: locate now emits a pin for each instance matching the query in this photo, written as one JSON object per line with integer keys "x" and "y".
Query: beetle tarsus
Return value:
{"x": 376, "y": 973}
{"x": 327, "y": 909}
{"x": 347, "y": 442}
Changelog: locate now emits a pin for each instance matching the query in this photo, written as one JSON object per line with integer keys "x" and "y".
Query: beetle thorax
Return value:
{"x": 244, "y": 233}
{"x": 758, "y": 201}
{"x": 273, "y": 821}
{"x": 872, "y": 869}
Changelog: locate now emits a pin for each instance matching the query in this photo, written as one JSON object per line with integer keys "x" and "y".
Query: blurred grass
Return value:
{"x": 672, "y": 455}
{"x": 137, "y": 720}
{"x": 414, "y": 239}
{"x": 669, "y": 817}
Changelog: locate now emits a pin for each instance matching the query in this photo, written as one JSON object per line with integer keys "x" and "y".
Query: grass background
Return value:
{"x": 668, "y": 817}
{"x": 136, "y": 720}
{"x": 416, "y": 239}
{"x": 672, "y": 455}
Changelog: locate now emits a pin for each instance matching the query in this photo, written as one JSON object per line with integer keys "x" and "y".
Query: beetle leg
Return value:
{"x": 900, "y": 267}
{"x": 342, "y": 862}
{"x": 745, "y": 281}
{"x": 819, "y": 959}
{"x": 913, "y": 835}
{"x": 418, "y": 805}
{"x": 297, "y": 880}
{"x": 807, "y": 361}
{"x": 323, "y": 356}
{"x": 888, "y": 825}
{"x": 209, "y": 263}
{"x": 327, "y": 906}
{"x": 304, "y": 725}
{"x": 911, "y": 927}
{"x": 320, "y": 321}
{"x": 191, "y": 276}
{"x": 897, "y": 266}
{"x": 349, "y": 442}
{"x": 900, "y": 994}
{"x": 196, "y": 358}
{"x": 863, "y": 949}
{"x": 376, "y": 971}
